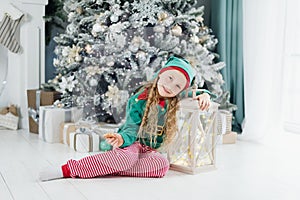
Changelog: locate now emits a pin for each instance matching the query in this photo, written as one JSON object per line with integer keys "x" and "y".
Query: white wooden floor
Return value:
{"x": 246, "y": 170}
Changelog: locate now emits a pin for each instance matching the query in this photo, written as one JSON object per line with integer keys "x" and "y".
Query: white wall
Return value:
{"x": 24, "y": 69}
{"x": 264, "y": 29}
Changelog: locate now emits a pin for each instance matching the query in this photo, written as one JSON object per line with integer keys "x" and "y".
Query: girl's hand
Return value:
{"x": 203, "y": 101}
{"x": 114, "y": 139}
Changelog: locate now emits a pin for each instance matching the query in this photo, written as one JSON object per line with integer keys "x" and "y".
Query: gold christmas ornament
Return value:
{"x": 55, "y": 80}
{"x": 79, "y": 10}
{"x": 176, "y": 30}
{"x": 203, "y": 39}
{"x": 78, "y": 58}
{"x": 162, "y": 16}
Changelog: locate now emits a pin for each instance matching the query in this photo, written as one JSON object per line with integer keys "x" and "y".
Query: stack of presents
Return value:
{"x": 56, "y": 124}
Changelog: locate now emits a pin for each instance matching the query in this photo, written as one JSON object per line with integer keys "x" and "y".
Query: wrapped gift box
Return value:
{"x": 9, "y": 117}
{"x": 50, "y": 119}
{"x": 224, "y": 118}
{"x": 84, "y": 142}
{"x": 103, "y": 128}
{"x": 9, "y": 121}
{"x": 65, "y": 130}
{"x": 97, "y": 128}
{"x": 229, "y": 138}
{"x": 35, "y": 99}
{"x": 194, "y": 144}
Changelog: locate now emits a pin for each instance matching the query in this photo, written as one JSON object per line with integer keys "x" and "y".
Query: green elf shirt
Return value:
{"x": 134, "y": 115}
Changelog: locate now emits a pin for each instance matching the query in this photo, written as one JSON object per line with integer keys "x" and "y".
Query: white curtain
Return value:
{"x": 291, "y": 65}
{"x": 264, "y": 37}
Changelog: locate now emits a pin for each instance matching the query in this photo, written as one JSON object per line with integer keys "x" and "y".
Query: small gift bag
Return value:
{"x": 84, "y": 141}
{"x": 193, "y": 149}
{"x": 50, "y": 119}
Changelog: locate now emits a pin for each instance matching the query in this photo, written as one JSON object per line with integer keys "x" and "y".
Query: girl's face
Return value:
{"x": 171, "y": 83}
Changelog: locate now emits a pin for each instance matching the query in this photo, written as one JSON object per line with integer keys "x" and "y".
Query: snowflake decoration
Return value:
{"x": 145, "y": 12}
{"x": 67, "y": 84}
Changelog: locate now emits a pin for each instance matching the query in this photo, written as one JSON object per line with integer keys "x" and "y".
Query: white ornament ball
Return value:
{"x": 78, "y": 58}
{"x": 114, "y": 18}
{"x": 93, "y": 82}
{"x": 140, "y": 54}
{"x": 176, "y": 30}
{"x": 97, "y": 28}
{"x": 71, "y": 16}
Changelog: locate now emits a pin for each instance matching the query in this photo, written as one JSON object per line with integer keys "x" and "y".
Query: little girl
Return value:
{"x": 150, "y": 124}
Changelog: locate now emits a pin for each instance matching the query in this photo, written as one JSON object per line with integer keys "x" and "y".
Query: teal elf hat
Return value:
{"x": 182, "y": 65}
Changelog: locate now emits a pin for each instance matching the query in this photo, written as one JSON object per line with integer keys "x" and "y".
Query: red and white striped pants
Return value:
{"x": 135, "y": 160}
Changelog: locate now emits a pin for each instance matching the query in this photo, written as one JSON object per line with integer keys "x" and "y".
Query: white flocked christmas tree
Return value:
{"x": 110, "y": 46}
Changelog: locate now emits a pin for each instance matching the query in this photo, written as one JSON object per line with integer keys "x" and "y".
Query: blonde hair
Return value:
{"x": 149, "y": 122}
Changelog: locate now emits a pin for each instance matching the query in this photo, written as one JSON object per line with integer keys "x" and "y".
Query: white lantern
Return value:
{"x": 193, "y": 149}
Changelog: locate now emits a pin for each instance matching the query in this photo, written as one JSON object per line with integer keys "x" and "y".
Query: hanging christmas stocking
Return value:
{"x": 8, "y": 27}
